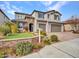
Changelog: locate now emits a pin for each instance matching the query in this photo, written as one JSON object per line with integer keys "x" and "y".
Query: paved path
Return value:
{"x": 66, "y": 49}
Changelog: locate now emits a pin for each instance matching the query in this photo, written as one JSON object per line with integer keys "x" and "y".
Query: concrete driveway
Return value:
{"x": 63, "y": 36}
{"x": 66, "y": 49}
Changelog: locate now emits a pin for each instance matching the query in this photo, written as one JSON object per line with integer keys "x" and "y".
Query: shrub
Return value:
{"x": 4, "y": 29}
{"x": 2, "y": 54}
{"x": 47, "y": 41}
{"x": 13, "y": 28}
{"x": 10, "y": 51}
{"x": 76, "y": 32}
{"x": 23, "y": 48}
{"x": 37, "y": 46}
{"x": 54, "y": 38}
{"x": 43, "y": 33}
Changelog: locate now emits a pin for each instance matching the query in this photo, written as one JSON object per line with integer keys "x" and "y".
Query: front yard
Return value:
{"x": 18, "y": 35}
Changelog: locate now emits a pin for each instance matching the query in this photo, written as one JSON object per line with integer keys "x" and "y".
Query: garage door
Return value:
{"x": 42, "y": 26}
{"x": 55, "y": 28}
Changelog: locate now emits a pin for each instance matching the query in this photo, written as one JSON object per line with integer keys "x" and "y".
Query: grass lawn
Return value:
{"x": 18, "y": 35}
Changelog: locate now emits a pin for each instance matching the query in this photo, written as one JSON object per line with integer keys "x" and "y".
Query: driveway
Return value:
{"x": 63, "y": 36}
{"x": 65, "y": 49}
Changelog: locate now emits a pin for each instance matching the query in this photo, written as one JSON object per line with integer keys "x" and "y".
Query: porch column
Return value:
{"x": 62, "y": 27}
{"x": 47, "y": 27}
{"x": 28, "y": 27}
{"x": 35, "y": 25}
{"x": 77, "y": 27}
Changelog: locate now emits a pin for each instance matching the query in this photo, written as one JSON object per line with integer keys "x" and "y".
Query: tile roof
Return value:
{"x": 46, "y": 11}
{"x": 72, "y": 21}
{"x": 21, "y": 13}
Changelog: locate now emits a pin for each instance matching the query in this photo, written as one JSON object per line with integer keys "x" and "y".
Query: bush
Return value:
{"x": 4, "y": 29}
{"x": 2, "y": 54}
{"x": 54, "y": 38}
{"x": 47, "y": 42}
{"x": 37, "y": 46}
{"x": 23, "y": 48}
{"x": 43, "y": 33}
{"x": 10, "y": 51}
{"x": 14, "y": 28}
{"x": 76, "y": 32}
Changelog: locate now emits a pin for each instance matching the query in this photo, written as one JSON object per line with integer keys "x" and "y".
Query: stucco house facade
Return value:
{"x": 49, "y": 21}
{"x": 3, "y": 17}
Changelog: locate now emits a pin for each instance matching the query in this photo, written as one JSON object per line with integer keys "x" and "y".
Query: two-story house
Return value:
{"x": 3, "y": 17}
{"x": 48, "y": 21}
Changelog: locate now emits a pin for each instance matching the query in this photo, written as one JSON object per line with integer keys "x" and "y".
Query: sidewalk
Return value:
{"x": 66, "y": 49}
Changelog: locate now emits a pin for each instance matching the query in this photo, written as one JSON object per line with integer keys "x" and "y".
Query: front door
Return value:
{"x": 31, "y": 27}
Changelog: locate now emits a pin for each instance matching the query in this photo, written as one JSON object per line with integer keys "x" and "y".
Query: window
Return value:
{"x": 40, "y": 15}
{"x": 56, "y": 17}
{"x": 48, "y": 15}
{"x": 18, "y": 16}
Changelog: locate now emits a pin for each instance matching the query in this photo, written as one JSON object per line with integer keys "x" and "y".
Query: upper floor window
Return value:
{"x": 48, "y": 15}
{"x": 40, "y": 15}
{"x": 56, "y": 17}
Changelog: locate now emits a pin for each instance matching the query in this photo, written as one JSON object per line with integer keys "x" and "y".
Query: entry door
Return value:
{"x": 31, "y": 27}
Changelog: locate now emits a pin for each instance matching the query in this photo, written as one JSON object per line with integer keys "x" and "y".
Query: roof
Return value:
{"x": 37, "y": 11}
{"x": 20, "y": 20}
{"x": 22, "y": 13}
{"x": 53, "y": 11}
{"x": 72, "y": 21}
{"x": 4, "y": 14}
{"x": 46, "y": 12}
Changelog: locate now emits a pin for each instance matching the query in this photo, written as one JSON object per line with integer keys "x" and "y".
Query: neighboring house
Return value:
{"x": 71, "y": 24}
{"x": 3, "y": 17}
{"x": 48, "y": 21}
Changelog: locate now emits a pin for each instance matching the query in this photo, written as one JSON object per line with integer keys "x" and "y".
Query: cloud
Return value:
{"x": 47, "y": 3}
{"x": 9, "y": 9}
{"x": 58, "y": 5}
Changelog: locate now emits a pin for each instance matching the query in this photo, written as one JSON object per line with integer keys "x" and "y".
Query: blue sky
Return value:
{"x": 66, "y": 8}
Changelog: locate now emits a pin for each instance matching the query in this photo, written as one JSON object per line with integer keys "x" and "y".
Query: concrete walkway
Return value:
{"x": 66, "y": 49}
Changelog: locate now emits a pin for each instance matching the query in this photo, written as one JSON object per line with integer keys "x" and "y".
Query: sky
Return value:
{"x": 66, "y": 8}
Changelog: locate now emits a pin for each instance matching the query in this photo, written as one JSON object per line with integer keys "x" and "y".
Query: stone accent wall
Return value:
{"x": 11, "y": 43}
